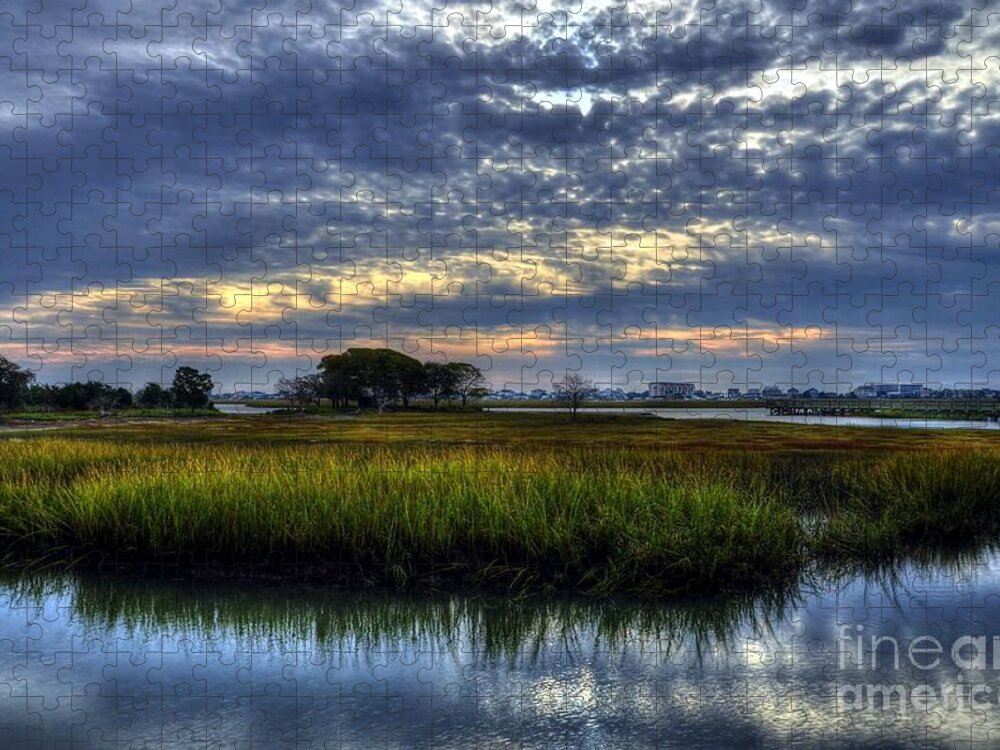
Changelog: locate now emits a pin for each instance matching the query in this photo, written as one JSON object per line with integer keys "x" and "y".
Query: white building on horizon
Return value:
{"x": 664, "y": 390}
{"x": 892, "y": 390}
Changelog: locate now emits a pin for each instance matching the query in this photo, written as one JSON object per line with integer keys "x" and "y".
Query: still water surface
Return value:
{"x": 127, "y": 663}
{"x": 742, "y": 414}
{"x": 246, "y": 410}
{"x": 761, "y": 414}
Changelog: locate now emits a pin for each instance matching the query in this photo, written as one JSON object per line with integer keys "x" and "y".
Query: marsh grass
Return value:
{"x": 493, "y": 517}
{"x": 945, "y": 500}
{"x": 519, "y": 515}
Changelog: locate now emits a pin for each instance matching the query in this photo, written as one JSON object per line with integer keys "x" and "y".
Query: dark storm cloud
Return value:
{"x": 299, "y": 176}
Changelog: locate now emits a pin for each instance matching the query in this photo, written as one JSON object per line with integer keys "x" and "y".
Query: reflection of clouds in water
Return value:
{"x": 215, "y": 659}
{"x": 575, "y": 692}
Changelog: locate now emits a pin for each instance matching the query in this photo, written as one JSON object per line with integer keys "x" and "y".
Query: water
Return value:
{"x": 245, "y": 410}
{"x": 760, "y": 414}
{"x": 191, "y": 663}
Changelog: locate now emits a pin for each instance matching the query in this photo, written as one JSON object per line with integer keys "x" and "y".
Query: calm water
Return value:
{"x": 246, "y": 410}
{"x": 752, "y": 414}
{"x": 762, "y": 415}
{"x": 180, "y": 664}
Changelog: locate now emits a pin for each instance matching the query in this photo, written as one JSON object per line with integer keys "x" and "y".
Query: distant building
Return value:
{"x": 733, "y": 393}
{"x": 753, "y": 393}
{"x": 892, "y": 390}
{"x": 772, "y": 390}
{"x": 661, "y": 390}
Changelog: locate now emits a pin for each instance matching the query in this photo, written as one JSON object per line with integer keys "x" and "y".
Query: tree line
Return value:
{"x": 368, "y": 377}
{"x": 377, "y": 377}
{"x": 190, "y": 389}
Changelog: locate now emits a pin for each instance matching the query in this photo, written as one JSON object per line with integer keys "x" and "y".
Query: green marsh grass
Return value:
{"x": 940, "y": 500}
{"x": 604, "y": 506}
{"x": 487, "y": 516}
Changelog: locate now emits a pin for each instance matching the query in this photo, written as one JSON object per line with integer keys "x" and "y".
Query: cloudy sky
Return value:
{"x": 733, "y": 194}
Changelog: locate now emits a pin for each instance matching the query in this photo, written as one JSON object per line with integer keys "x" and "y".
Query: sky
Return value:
{"x": 732, "y": 194}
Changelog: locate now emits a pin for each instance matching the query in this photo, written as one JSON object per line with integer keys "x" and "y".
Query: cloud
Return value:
{"x": 316, "y": 174}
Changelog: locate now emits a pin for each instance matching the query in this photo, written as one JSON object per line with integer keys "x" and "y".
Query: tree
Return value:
{"x": 468, "y": 380}
{"x": 358, "y": 374}
{"x": 301, "y": 391}
{"x": 77, "y": 396}
{"x": 123, "y": 398}
{"x": 407, "y": 372}
{"x": 338, "y": 385}
{"x": 314, "y": 387}
{"x": 574, "y": 390}
{"x": 111, "y": 399}
{"x": 82, "y": 396}
{"x": 439, "y": 381}
{"x": 13, "y": 383}
{"x": 191, "y": 388}
{"x": 41, "y": 395}
{"x": 154, "y": 396}
{"x": 371, "y": 376}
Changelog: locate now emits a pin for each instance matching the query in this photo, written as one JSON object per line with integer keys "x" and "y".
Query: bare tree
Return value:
{"x": 574, "y": 390}
{"x": 468, "y": 380}
{"x": 302, "y": 391}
